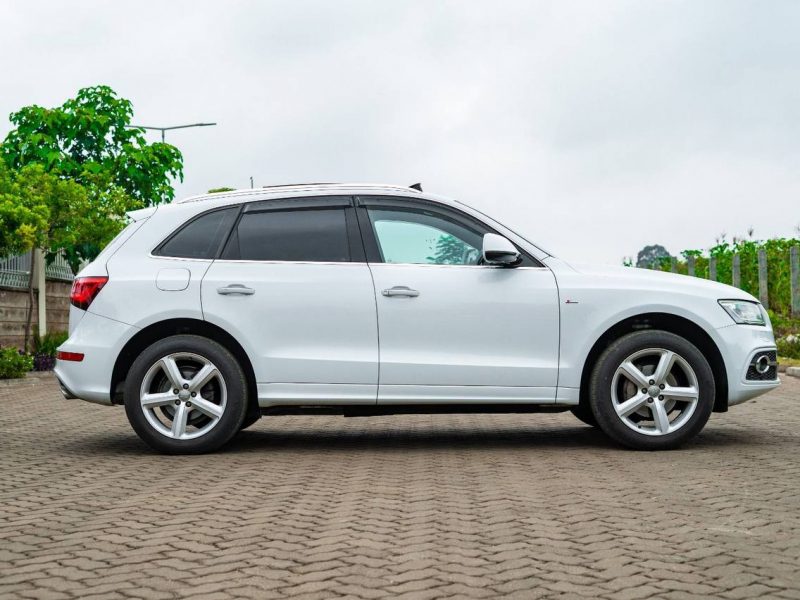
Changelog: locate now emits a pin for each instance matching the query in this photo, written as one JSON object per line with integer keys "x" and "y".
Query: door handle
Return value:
{"x": 400, "y": 290}
{"x": 236, "y": 289}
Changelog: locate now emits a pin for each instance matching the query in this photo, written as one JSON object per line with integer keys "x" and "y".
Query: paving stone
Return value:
{"x": 418, "y": 507}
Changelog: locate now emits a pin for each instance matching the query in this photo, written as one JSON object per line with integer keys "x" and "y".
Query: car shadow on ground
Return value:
{"x": 273, "y": 438}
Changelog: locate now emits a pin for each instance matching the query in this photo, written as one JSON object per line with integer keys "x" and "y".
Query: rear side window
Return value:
{"x": 201, "y": 237}
{"x": 307, "y": 235}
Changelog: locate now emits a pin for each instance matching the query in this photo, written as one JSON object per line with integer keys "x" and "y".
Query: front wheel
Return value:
{"x": 185, "y": 394}
{"x": 651, "y": 390}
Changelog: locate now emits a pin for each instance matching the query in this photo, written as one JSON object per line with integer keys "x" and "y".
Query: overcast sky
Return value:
{"x": 594, "y": 128}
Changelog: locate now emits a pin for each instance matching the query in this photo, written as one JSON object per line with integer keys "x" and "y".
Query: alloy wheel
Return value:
{"x": 655, "y": 391}
{"x": 183, "y": 395}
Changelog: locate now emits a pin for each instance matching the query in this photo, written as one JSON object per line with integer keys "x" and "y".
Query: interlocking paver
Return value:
{"x": 458, "y": 506}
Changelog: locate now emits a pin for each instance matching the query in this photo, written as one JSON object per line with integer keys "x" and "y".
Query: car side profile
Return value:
{"x": 207, "y": 313}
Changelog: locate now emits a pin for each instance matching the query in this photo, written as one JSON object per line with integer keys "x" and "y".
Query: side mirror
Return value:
{"x": 497, "y": 250}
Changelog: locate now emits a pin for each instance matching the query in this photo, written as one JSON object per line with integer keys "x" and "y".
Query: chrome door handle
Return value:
{"x": 400, "y": 290}
{"x": 236, "y": 288}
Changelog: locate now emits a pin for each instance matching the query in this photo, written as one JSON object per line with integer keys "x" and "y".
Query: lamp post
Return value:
{"x": 164, "y": 129}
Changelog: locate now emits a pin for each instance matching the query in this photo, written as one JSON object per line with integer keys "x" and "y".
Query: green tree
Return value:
{"x": 41, "y": 210}
{"x": 20, "y": 219}
{"x": 652, "y": 256}
{"x": 88, "y": 141}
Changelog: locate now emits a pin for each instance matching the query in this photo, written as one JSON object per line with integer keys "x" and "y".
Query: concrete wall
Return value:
{"x": 13, "y": 307}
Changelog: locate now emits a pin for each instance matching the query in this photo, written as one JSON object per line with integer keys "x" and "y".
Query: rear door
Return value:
{"x": 293, "y": 287}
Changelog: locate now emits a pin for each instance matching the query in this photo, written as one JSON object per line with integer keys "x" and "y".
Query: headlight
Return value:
{"x": 744, "y": 312}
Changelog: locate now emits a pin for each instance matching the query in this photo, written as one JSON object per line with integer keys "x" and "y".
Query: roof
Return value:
{"x": 305, "y": 187}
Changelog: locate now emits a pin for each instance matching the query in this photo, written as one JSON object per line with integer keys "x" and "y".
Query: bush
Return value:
{"x": 14, "y": 364}
{"x": 45, "y": 348}
{"x": 778, "y": 273}
{"x": 48, "y": 344}
{"x": 789, "y": 346}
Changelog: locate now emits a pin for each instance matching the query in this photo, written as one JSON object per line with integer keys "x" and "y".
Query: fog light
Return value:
{"x": 762, "y": 364}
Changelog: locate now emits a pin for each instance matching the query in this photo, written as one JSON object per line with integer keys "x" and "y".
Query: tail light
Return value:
{"x": 76, "y": 356}
{"x": 85, "y": 290}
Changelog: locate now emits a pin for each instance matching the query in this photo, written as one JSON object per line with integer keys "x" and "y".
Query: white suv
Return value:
{"x": 207, "y": 313}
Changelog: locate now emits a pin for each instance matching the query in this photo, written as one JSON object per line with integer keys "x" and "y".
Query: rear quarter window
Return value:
{"x": 200, "y": 237}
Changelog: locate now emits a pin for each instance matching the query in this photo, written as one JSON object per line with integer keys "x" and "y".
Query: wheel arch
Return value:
{"x": 667, "y": 322}
{"x": 162, "y": 329}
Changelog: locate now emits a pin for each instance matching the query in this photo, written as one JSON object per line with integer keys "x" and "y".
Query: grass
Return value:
{"x": 789, "y": 362}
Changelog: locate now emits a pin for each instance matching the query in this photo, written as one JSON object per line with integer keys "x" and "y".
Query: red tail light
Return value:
{"x": 85, "y": 289}
{"x": 76, "y": 356}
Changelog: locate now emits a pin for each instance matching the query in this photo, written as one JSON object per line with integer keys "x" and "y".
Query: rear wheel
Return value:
{"x": 185, "y": 395}
{"x": 652, "y": 390}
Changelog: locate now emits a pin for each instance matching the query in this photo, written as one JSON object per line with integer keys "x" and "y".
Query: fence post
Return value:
{"x": 735, "y": 271}
{"x": 763, "y": 293}
{"x": 794, "y": 263}
{"x": 712, "y": 268}
{"x": 690, "y": 265}
{"x": 673, "y": 264}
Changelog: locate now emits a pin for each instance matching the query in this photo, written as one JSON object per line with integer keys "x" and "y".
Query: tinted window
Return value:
{"x": 423, "y": 237}
{"x": 200, "y": 237}
{"x": 313, "y": 235}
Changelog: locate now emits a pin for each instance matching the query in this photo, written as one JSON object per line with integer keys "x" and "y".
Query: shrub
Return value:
{"x": 13, "y": 363}
{"x": 778, "y": 272}
{"x": 45, "y": 348}
{"x": 789, "y": 346}
{"x": 48, "y": 344}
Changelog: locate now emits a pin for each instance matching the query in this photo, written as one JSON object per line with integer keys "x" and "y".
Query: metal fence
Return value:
{"x": 15, "y": 270}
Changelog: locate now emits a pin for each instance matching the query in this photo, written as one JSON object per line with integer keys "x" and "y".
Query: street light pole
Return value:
{"x": 164, "y": 129}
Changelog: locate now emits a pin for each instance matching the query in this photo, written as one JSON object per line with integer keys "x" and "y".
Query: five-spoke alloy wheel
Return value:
{"x": 651, "y": 390}
{"x": 185, "y": 394}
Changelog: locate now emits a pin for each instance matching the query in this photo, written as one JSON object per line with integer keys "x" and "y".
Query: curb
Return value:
{"x": 31, "y": 378}
{"x": 793, "y": 371}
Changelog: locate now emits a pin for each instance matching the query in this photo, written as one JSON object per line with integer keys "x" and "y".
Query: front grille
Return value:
{"x": 756, "y": 372}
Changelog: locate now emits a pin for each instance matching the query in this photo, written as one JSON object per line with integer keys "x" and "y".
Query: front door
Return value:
{"x": 293, "y": 287}
{"x": 452, "y": 329}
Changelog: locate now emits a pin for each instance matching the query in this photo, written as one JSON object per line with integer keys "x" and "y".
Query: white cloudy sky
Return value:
{"x": 592, "y": 127}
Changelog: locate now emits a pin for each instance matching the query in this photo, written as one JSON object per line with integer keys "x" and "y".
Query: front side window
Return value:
{"x": 306, "y": 235}
{"x": 201, "y": 237}
{"x": 419, "y": 236}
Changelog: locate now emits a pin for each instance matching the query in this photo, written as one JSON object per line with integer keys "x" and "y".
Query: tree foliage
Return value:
{"x": 41, "y": 210}
{"x": 83, "y": 166}
{"x": 651, "y": 256}
{"x": 88, "y": 139}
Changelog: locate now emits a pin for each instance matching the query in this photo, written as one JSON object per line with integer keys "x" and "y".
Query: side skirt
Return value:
{"x": 412, "y": 409}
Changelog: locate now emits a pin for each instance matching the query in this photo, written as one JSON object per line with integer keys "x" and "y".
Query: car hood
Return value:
{"x": 631, "y": 277}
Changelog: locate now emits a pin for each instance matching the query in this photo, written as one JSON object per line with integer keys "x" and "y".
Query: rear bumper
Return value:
{"x": 739, "y": 344}
{"x": 100, "y": 340}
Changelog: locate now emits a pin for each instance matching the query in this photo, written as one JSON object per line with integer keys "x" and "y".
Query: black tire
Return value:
{"x": 250, "y": 419}
{"x": 584, "y": 414}
{"x": 600, "y": 390}
{"x": 235, "y": 384}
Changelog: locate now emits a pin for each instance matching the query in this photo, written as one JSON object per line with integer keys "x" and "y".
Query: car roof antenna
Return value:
{"x": 416, "y": 186}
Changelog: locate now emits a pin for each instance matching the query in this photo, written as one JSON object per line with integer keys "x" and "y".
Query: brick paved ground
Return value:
{"x": 404, "y": 507}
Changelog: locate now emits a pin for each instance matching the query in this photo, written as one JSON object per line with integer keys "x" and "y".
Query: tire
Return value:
{"x": 211, "y": 402}
{"x": 249, "y": 420}
{"x": 651, "y": 390}
{"x": 584, "y": 414}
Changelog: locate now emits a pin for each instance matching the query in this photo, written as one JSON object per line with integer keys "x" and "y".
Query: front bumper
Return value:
{"x": 100, "y": 340}
{"x": 739, "y": 343}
